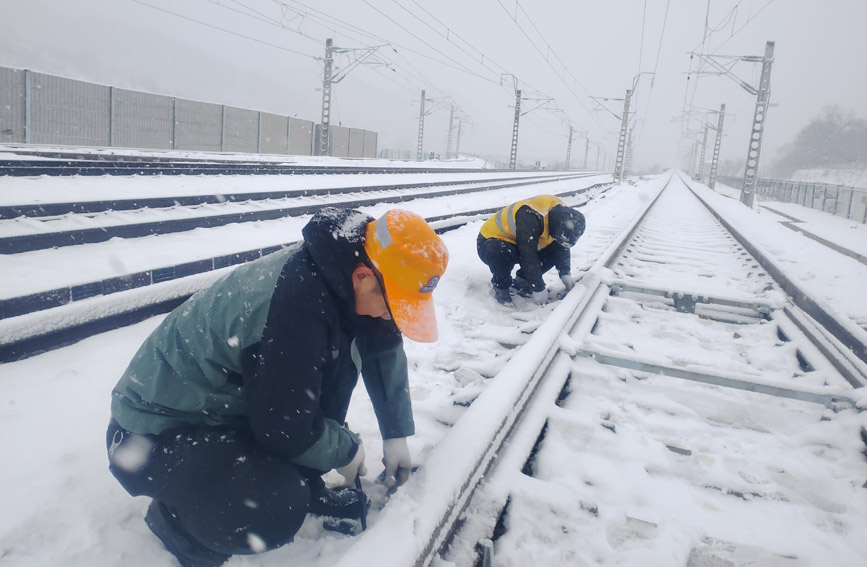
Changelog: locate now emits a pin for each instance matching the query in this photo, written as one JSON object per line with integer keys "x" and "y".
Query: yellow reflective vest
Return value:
{"x": 502, "y": 224}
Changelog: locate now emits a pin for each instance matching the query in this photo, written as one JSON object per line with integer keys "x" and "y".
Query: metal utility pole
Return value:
{"x": 586, "y": 149}
{"x": 714, "y": 164}
{"x": 328, "y": 79}
{"x": 692, "y": 156}
{"x": 763, "y": 96}
{"x": 419, "y": 152}
{"x": 458, "y": 146}
{"x": 627, "y": 164}
{"x": 449, "y": 143}
{"x": 569, "y": 148}
{"x": 621, "y": 142}
{"x": 513, "y": 157}
{"x": 326, "y": 99}
{"x": 700, "y": 171}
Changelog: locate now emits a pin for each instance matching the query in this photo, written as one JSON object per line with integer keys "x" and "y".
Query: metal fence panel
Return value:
{"x": 370, "y": 143}
{"x": 339, "y": 141}
{"x": 818, "y": 197}
{"x": 848, "y": 202}
{"x": 69, "y": 112}
{"x": 198, "y": 125}
{"x": 844, "y": 201}
{"x": 240, "y": 130}
{"x": 830, "y": 203}
{"x": 356, "y": 142}
{"x": 300, "y": 137}
{"x": 12, "y": 106}
{"x": 47, "y": 109}
{"x": 274, "y": 134}
{"x": 142, "y": 120}
{"x": 858, "y": 210}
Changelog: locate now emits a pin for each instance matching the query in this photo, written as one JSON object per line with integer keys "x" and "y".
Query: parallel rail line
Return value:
{"x": 387, "y": 194}
{"x": 83, "y": 325}
{"x": 91, "y": 207}
{"x": 68, "y": 167}
{"x": 504, "y": 427}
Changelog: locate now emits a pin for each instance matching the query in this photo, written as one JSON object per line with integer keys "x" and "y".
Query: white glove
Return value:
{"x": 398, "y": 462}
{"x": 568, "y": 281}
{"x": 540, "y": 297}
{"x": 354, "y": 467}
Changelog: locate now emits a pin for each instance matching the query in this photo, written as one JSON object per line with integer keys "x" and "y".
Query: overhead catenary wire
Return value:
{"x": 706, "y": 54}
{"x": 530, "y": 92}
{"x": 224, "y": 30}
{"x": 548, "y": 61}
{"x": 655, "y": 69}
{"x": 457, "y": 64}
{"x": 293, "y": 11}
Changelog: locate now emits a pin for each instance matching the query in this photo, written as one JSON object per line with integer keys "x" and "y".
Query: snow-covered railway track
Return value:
{"x": 27, "y": 228}
{"x": 59, "y": 165}
{"x": 44, "y": 319}
{"x": 582, "y": 417}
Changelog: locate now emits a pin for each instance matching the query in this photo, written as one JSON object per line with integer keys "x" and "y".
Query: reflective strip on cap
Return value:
{"x": 382, "y": 233}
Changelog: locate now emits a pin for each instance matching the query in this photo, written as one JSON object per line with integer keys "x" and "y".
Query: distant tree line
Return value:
{"x": 834, "y": 140}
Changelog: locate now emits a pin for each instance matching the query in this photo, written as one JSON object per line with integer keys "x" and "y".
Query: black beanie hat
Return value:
{"x": 565, "y": 225}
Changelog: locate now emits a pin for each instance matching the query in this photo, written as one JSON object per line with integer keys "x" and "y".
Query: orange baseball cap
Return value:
{"x": 411, "y": 258}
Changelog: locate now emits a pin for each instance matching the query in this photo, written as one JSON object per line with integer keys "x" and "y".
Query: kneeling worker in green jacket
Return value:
{"x": 234, "y": 407}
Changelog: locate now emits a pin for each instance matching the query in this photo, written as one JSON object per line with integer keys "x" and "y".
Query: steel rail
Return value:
{"x": 70, "y": 167}
{"x": 16, "y": 306}
{"x": 507, "y": 400}
{"x": 90, "y": 207}
{"x": 851, "y": 338}
{"x": 511, "y": 412}
{"x": 41, "y": 241}
{"x": 78, "y": 322}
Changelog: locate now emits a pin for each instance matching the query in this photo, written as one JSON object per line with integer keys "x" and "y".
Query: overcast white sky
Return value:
{"x": 266, "y": 55}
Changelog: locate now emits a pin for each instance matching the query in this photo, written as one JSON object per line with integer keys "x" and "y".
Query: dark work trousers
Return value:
{"x": 218, "y": 483}
{"x": 501, "y": 257}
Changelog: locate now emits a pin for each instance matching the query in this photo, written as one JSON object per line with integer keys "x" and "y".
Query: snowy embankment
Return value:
{"x": 68, "y": 510}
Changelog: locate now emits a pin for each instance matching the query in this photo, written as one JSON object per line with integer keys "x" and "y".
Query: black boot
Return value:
{"x": 522, "y": 286}
{"x": 189, "y": 552}
{"x": 343, "y": 502}
{"x": 503, "y": 296}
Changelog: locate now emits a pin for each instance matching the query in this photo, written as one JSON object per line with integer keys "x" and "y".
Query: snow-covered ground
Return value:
{"x": 60, "y": 506}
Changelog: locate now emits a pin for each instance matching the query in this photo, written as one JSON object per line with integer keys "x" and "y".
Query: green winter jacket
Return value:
{"x": 274, "y": 346}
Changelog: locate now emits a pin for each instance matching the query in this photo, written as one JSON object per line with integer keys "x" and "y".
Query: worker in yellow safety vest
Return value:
{"x": 537, "y": 235}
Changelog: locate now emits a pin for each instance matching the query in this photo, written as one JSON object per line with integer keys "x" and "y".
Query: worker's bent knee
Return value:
{"x": 256, "y": 522}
